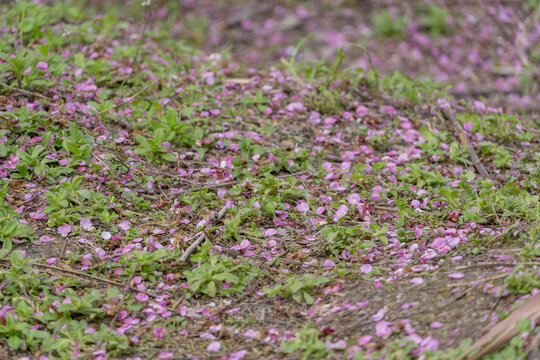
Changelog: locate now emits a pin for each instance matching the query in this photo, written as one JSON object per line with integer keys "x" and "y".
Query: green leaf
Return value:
{"x": 427, "y": 134}
{"x": 22, "y": 231}
{"x": 228, "y": 277}
{"x": 296, "y": 285}
{"x": 211, "y": 289}
{"x": 158, "y": 136}
{"x": 168, "y": 157}
{"x": 9, "y": 226}
{"x": 15, "y": 342}
{"x": 308, "y": 298}
{"x": 143, "y": 141}
{"x": 112, "y": 293}
{"x": 70, "y": 146}
{"x": 3, "y": 190}
{"x": 321, "y": 280}
{"x": 187, "y": 110}
{"x": 196, "y": 285}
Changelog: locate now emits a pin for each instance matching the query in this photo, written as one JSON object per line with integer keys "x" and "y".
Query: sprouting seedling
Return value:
{"x": 291, "y": 65}
{"x": 18, "y": 64}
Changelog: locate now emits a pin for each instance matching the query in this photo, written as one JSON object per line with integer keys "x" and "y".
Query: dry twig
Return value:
{"x": 49, "y": 268}
{"x": 25, "y": 92}
{"x": 503, "y": 332}
{"x": 529, "y": 263}
{"x": 449, "y": 115}
{"x": 213, "y": 186}
{"x": 128, "y": 100}
{"x": 201, "y": 236}
{"x": 63, "y": 252}
{"x": 500, "y": 276}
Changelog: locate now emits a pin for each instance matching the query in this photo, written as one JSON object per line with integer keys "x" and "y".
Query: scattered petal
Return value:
{"x": 64, "y": 229}
{"x": 341, "y": 212}
{"x": 468, "y": 126}
{"x": 42, "y": 65}
{"x": 364, "y": 340}
{"x": 366, "y": 269}
{"x": 383, "y": 328}
{"x": 213, "y": 346}
{"x": 45, "y": 239}
{"x": 302, "y": 206}
{"x": 329, "y": 264}
{"x": 124, "y": 225}
{"x": 159, "y": 332}
{"x": 86, "y": 224}
{"x": 142, "y": 297}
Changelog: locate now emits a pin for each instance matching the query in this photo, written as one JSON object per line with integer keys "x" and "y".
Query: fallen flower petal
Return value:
{"x": 86, "y": 224}
{"x": 42, "y": 65}
{"x": 142, "y": 297}
{"x": 341, "y": 212}
{"x": 366, "y": 269}
{"x": 329, "y": 264}
{"x": 64, "y": 229}
{"x": 213, "y": 346}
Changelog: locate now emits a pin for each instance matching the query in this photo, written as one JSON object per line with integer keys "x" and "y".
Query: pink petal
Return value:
{"x": 45, "y": 239}
{"x": 388, "y": 109}
{"x": 364, "y": 340}
{"x": 245, "y": 244}
{"x": 336, "y": 186}
{"x": 353, "y": 199}
{"x": 341, "y": 212}
{"x": 64, "y": 229}
{"x": 124, "y": 225}
{"x": 379, "y": 315}
{"x": 86, "y": 223}
{"x": 42, "y": 65}
{"x": 366, "y": 269}
{"x": 296, "y": 106}
{"x": 302, "y": 206}
{"x": 213, "y": 346}
{"x": 456, "y": 276}
{"x": 361, "y": 111}
{"x": 329, "y": 264}
{"x": 382, "y": 328}
{"x": 239, "y": 355}
{"x": 159, "y": 332}
{"x": 142, "y": 297}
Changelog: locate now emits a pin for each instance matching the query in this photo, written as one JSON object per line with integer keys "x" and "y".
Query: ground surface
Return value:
{"x": 164, "y": 198}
